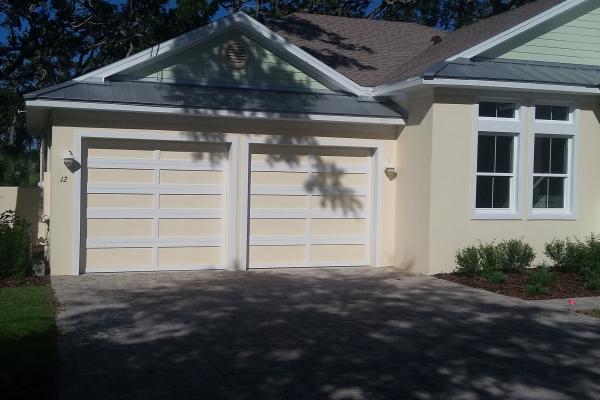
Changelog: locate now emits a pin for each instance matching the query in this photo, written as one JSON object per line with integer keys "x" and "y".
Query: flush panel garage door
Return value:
{"x": 309, "y": 207}
{"x": 153, "y": 205}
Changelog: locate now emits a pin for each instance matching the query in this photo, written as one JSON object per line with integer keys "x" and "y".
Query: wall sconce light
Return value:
{"x": 69, "y": 160}
{"x": 390, "y": 170}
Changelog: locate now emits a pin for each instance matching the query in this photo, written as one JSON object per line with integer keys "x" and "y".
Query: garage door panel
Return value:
{"x": 343, "y": 254}
{"x": 112, "y": 200}
{"x": 117, "y": 153}
{"x": 261, "y": 256}
{"x": 120, "y": 175}
{"x": 184, "y": 177}
{"x": 280, "y": 178}
{"x": 160, "y": 205}
{"x": 189, "y": 256}
{"x": 190, "y": 227}
{"x": 273, "y": 226}
{"x": 190, "y": 201}
{"x": 277, "y": 201}
{"x": 348, "y": 203}
{"x": 119, "y": 227}
{"x": 339, "y": 178}
{"x": 335, "y": 226}
{"x": 118, "y": 259}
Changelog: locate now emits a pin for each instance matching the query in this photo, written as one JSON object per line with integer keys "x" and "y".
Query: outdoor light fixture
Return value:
{"x": 69, "y": 160}
{"x": 390, "y": 170}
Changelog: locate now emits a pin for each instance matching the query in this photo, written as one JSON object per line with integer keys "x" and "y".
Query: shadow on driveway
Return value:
{"x": 315, "y": 334}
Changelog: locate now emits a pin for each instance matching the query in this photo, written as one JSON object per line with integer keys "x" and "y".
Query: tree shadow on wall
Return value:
{"x": 268, "y": 88}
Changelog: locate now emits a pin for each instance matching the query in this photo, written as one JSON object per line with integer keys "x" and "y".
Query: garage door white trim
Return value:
{"x": 231, "y": 183}
{"x": 375, "y": 186}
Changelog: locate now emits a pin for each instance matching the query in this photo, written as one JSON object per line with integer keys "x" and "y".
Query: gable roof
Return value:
{"x": 373, "y": 53}
{"x": 364, "y": 50}
{"x": 249, "y": 27}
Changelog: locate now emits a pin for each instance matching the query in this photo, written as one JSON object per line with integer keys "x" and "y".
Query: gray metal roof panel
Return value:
{"x": 519, "y": 71}
{"x": 236, "y": 99}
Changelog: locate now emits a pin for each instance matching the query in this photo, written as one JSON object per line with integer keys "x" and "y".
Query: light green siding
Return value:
{"x": 205, "y": 64}
{"x": 576, "y": 41}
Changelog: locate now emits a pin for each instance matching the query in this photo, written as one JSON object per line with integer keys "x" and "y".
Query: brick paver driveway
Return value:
{"x": 315, "y": 334}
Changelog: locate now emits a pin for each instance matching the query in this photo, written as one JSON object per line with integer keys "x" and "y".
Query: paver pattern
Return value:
{"x": 338, "y": 334}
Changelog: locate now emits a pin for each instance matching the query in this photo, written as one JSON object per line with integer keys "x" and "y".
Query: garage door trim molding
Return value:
{"x": 232, "y": 179}
{"x": 320, "y": 142}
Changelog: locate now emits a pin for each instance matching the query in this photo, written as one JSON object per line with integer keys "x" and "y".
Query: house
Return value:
{"x": 326, "y": 141}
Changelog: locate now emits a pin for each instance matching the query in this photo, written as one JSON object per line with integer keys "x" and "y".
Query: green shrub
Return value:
{"x": 486, "y": 259}
{"x": 495, "y": 277}
{"x": 467, "y": 261}
{"x": 515, "y": 255}
{"x": 567, "y": 255}
{"x": 540, "y": 280}
{"x": 489, "y": 257}
{"x": 581, "y": 257}
{"x": 15, "y": 246}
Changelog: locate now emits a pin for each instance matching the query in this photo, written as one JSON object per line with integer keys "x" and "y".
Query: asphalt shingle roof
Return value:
{"x": 372, "y": 52}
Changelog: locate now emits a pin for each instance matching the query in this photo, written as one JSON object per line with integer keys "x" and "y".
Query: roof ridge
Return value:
{"x": 380, "y": 21}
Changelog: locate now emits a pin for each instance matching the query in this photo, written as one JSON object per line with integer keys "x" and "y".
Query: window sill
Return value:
{"x": 551, "y": 215}
{"x": 490, "y": 215}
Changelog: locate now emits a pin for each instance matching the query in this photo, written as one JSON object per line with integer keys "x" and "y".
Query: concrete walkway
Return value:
{"x": 315, "y": 334}
{"x": 580, "y": 303}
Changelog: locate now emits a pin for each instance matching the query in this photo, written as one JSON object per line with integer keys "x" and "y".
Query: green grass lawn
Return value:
{"x": 27, "y": 343}
{"x": 594, "y": 312}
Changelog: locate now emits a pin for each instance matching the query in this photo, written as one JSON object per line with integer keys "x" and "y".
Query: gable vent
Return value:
{"x": 236, "y": 54}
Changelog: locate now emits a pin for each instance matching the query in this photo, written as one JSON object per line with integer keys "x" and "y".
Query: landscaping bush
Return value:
{"x": 495, "y": 277}
{"x": 489, "y": 257}
{"x": 15, "y": 246}
{"x": 490, "y": 260}
{"x": 515, "y": 255}
{"x": 540, "y": 280}
{"x": 467, "y": 261}
{"x": 567, "y": 255}
{"x": 583, "y": 258}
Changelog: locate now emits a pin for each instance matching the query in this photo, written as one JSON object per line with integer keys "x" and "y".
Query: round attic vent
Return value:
{"x": 236, "y": 54}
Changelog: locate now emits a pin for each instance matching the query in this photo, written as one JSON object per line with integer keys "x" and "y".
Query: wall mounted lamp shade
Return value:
{"x": 390, "y": 169}
{"x": 69, "y": 160}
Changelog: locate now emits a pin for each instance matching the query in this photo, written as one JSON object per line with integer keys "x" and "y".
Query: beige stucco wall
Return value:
{"x": 413, "y": 185}
{"x": 26, "y": 202}
{"x": 65, "y": 126}
{"x": 451, "y": 183}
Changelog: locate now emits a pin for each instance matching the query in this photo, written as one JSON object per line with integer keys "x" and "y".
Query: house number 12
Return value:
{"x": 63, "y": 179}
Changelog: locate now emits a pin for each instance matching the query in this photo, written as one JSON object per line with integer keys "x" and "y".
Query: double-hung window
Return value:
{"x": 551, "y": 191}
{"x": 498, "y": 126}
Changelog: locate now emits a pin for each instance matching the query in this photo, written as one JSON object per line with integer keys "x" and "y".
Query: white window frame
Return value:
{"x": 499, "y": 127}
{"x": 557, "y": 129}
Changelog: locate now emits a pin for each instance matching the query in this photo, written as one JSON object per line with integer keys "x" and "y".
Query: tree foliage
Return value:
{"x": 46, "y": 42}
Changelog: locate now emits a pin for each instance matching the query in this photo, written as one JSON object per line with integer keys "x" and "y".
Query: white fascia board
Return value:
{"x": 392, "y": 88}
{"x": 193, "y": 37}
{"x": 250, "y": 27}
{"x": 256, "y": 30}
{"x": 514, "y": 86}
{"x": 203, "y": 112}
{"x": 518, "y": 29}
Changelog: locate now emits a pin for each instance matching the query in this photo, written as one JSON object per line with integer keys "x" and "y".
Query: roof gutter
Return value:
{"x": 205, "y": 112}
{"x": 508, "y": 85}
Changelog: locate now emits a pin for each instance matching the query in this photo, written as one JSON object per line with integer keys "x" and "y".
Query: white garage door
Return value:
{"x": 153, "y": 206}
{"x": 309, "y": 207}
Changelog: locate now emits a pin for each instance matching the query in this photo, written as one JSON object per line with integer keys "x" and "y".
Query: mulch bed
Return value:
{"x": 27, "y": 281}
{"x": 564, "y": 285}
